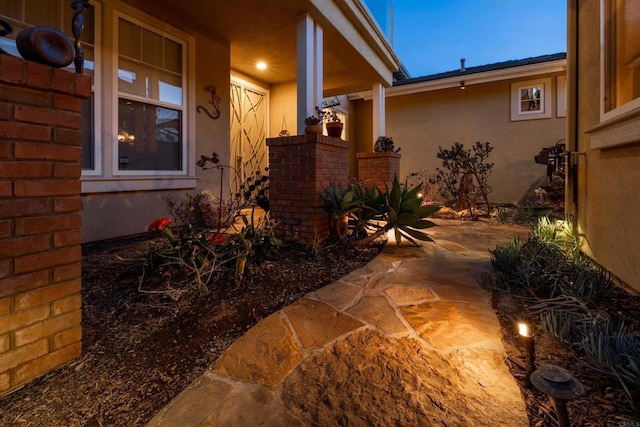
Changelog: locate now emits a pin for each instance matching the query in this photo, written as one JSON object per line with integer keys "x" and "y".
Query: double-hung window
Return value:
{"x": 621, "y": 56}
{"x": 151, "y": 102}
{"x": 620, "y": 75}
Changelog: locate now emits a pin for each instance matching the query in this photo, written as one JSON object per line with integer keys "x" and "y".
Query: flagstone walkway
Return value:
{"x": 408, "y": 340}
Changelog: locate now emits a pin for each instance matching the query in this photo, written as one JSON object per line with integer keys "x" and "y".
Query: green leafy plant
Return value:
{"x": 255, "y": 242}
{"x": 568, "y": 294}
{"x": 385, "y": 144}
{"x": 399, "y": 209}
{"x": 340, "y": 204}
{"x": 316, "y": 119}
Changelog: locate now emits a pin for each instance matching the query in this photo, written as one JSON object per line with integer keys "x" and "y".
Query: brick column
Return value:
{"x": 300, "y": 168}
{"x": 378, "y": 168}
{"x": 40, "y": 254}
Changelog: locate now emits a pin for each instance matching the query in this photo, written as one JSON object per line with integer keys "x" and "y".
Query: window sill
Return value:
{"x": 114, "y": 185}
{"x": 616, "y": 132}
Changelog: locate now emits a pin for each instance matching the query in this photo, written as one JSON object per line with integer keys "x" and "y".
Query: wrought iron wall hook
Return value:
{"x": 215, "y": 102}
{"x": 77, "y": 27}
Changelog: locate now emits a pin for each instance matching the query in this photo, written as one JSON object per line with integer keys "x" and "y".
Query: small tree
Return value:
{"x": 464, "y": 177}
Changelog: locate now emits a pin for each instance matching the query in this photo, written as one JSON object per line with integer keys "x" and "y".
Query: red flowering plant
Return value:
{"x": 162, "y": 224}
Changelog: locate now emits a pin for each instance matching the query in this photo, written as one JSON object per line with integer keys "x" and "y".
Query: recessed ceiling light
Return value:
{"x": 261, "y": 66}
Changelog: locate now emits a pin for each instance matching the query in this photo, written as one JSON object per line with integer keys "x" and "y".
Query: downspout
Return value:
{"x": 571, "y": 177}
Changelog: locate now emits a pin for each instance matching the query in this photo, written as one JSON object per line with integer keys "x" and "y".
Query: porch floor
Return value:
{"x": 410, "y": 339}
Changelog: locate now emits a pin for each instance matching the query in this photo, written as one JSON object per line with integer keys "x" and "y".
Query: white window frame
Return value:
{"x": 97, "y": 94}
{"x": 545, "y": 99}
{"x": 183, "y": 40}
{"x": 618, "y": 126}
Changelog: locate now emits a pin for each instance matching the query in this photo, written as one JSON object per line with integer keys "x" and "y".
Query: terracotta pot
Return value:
{"x": 334, "y": 129}
{"x": 311, "y": 129}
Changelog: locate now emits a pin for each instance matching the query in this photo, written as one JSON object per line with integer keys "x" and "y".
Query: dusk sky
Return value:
{"x": 432, "y": 35}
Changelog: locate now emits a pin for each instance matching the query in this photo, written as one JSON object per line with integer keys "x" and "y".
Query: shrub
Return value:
{"x": 568, "y": 294}
{"x": 463, "y": 180}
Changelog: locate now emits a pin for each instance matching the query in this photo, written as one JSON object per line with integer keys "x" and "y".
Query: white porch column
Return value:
{"x": 379, "y": 114}
{"x": 310, "y": 71}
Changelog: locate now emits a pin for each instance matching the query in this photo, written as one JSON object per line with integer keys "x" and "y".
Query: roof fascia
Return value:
{"x": 511, "y": 73}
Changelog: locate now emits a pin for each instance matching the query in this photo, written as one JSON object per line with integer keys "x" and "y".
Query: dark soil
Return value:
{"x": 604, "y": 403}
{"x": 140, "y": 349}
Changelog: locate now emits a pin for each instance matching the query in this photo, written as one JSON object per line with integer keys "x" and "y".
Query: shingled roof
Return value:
{"x": 484, "y": 68}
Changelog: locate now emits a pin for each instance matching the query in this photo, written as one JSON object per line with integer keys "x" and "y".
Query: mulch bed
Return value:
{"x": 604, "y": 403}
{"x": 140, "y": 350}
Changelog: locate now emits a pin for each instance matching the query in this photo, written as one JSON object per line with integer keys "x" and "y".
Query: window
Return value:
{"x": 150, "y": 110}
{"x": 531, "y": 99}
{"x": 23, "y": 14}
{"x": 621, "y": 56}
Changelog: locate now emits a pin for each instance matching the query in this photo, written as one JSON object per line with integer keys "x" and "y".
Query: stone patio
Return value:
{"x": 410, "y": 339}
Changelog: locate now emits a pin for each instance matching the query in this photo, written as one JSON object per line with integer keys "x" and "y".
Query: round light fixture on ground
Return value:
{"x": 261, "y": 66}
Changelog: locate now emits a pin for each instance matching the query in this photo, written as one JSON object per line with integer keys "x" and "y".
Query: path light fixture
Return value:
{"x": 560, "y": 386}
{"x": 529, "y": 348}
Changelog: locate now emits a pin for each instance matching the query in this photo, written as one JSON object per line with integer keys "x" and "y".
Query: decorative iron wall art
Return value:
{"x": 215, "y": 102}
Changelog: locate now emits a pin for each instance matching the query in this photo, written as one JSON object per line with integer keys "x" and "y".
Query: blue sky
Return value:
{"x": 432, "y": 35}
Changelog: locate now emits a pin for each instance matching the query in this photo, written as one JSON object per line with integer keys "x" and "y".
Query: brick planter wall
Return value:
{"x": 378, "y": 168}
{"x": 40, "y": 254}
{"x": 302, "y": 167}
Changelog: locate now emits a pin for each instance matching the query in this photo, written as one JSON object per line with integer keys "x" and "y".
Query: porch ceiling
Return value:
{"x": 266, "y": 31}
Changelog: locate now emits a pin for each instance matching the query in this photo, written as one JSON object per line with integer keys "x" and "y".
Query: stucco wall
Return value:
{"x": 114, "y": 214}
{"x": 608, "y": 191}
{"x": 421, "y": 122}
{"x": 283, "y": 105}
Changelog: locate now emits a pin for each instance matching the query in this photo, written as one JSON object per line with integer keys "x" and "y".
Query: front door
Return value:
{"x": 249, "y": 119}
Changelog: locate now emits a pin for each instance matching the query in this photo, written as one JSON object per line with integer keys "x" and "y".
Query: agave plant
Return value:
{"x": 339, "y": 204}
{"x": 399, "y": 209}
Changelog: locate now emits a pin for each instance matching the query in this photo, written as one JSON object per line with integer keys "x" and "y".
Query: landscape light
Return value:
{"x": 560, "y": 386}
{"x": 529, "y": 349}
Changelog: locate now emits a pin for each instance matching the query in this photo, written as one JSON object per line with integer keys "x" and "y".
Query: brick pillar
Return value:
{"x": 300, "y": 168}
{"x": 40, "y": 254}
{"x": 378, "y": 168}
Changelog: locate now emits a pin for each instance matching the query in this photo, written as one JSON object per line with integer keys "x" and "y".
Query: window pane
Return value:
{"x": 87, "y": 129}
{"x": 137, "y": 79}
{"x": 149, "y": 137}
{"x": 172, "y": 56}
{"x": 530, "y": 99}
{"x": 622, "y": 71}
{"x": 151, "y": 48}
{"x": 129, "y": 41}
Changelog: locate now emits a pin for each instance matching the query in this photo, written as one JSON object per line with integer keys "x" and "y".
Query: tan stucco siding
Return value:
{"x": 212, "y": 69}
{"x": 608, "y": 191}
{"x": 421, "y": 122}
{"x": 283, "y": 108}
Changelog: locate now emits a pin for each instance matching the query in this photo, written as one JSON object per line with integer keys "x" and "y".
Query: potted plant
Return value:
{"x": 384, "y": 144}
{"x": 314, "y": 123}
{"x": 334, "y": 125}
